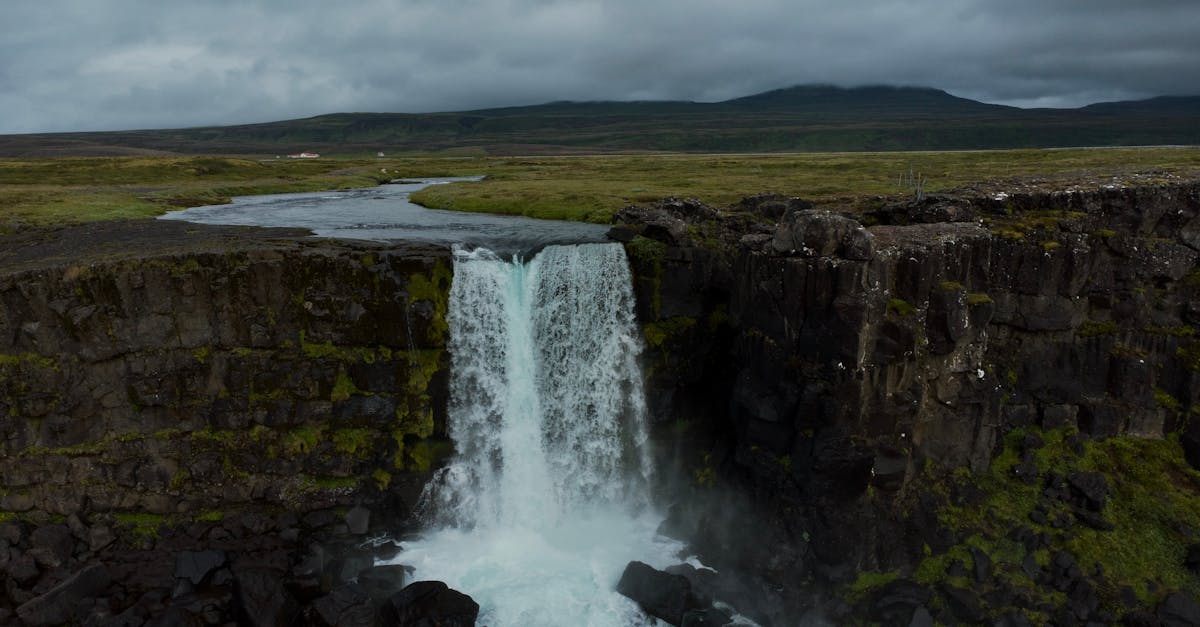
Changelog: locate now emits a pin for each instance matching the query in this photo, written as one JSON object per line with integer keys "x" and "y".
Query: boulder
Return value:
{"x": 661, "y": 595}
{"x": 261, "y": 598}
{"x": 814, "y": 233}
{"x": 195, "y": 566}
{"x": 67, "y": 600}
{"x": 346, "y": 606}
{"x": 897, "y": 601}
{"x": 381, "y": 582}
{"x": 1091, "y": 487}
{"x": 1178, "y": 610}
{"x": 52, "y": 545}
{"x": 429, "y": 604}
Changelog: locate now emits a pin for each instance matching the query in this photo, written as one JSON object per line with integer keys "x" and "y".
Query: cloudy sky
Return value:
{"x": 123, "y": 64}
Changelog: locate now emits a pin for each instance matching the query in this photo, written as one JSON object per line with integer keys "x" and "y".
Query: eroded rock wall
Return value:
{"x": 857, "y": 360}
{"x": 299, "y": 375}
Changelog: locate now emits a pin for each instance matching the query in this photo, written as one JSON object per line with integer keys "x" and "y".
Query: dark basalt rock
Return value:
{"x": 897, "y": 601}
{"x": 964, "y": 603}
{"x": 429, "y": 604}
{"x": 195, "y": 566}
{"x": 660, "y": 594}
{"x": 67, "y": 601}
{"x": 262, "y": 599}
{"x": 814, "y": 233}
{"x": 347, "y": 606}
{"x": 52, "y": 545}
{"x": 1179, "y": 610}
{"x": 710, "y": 617}
{"x": 1092, "y": 487}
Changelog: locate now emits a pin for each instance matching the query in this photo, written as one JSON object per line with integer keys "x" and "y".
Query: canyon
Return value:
{"x": 226, "y": 423}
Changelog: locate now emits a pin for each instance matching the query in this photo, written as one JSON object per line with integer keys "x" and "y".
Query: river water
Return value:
{"x": 384, "y": 213}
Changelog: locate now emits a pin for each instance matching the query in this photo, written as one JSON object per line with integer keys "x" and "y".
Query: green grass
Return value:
{"x": 47, "y": 191}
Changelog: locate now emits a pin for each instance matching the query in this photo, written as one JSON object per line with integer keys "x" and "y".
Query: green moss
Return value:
{"x": 354, "y": 442}
{"x": 302, "y": 440}
{"x": 1189, "y": 354}
{"x": 179, "y": 479}
{"x": 382, "y": 478}
{"x": 1164, "y": 399}
{"x": 243, "y": 352}
{"x": 141, "y": 524}
{"x": 646, "y": 257}
{"x": 1179, "y": 331}
{"x": 231, "y": 469}
{"x": 1049, "y": 245}
{"x": 343, "y": 387}
{"x": 210, "y": 516}
{"x": 867, "y": 582}
{"x": 29, "y": 360}
{"x": 659, "y": 333}
{"x": 414, "y": 414}
{"x": 978, "y": 298}
{"x": 225, "y": 438}
{"x": 705, "y": 474}
{"x": 951, "y": 286}
{"x": 316, "y": 484}
{"x": 201, "y": 354}
{"x": 1153, "y": 503}
{"x": 1093, "y": 328}
{"x": 1104, "y": 233}
{"x": 434, "y": 289}
{"x": 369, "y": 260}
{"x": 900, "y": 307}
{"x": 1155, "y": 507}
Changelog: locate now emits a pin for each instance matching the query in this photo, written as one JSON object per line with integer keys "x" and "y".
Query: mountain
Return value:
{"x": 800, "y": 118}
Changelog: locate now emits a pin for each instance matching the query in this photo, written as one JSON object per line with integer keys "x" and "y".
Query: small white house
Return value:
{"x": 304, "y": 155}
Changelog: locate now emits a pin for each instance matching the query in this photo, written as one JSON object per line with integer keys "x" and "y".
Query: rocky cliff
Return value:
{"x": 168, "y": 387}
{"x": 854, "y": 363}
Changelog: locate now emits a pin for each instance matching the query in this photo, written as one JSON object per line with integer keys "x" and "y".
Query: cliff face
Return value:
{"x": 849, "y": 366}
{"x": 276, "y": 372}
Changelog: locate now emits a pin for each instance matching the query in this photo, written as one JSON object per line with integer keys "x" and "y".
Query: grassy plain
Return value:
{"x": 590, "y": 188}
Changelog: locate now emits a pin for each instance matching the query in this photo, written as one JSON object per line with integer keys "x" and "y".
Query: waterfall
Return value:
{"x": 546, "y": 499}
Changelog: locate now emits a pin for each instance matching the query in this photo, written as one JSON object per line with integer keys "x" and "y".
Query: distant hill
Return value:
{"x": 799, "y": 119}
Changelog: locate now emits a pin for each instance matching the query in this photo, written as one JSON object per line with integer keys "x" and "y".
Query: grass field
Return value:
{"x": 46, "y": 192}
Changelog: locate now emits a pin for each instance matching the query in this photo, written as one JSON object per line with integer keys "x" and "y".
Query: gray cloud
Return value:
{"x": 87, "y": 65}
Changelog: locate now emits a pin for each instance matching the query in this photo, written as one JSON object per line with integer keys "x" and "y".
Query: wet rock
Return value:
{"x": 346, "y": 606}
{"x": 921, "y": 618}
{"x": 381, "y": 582}
{"x": 358, "y": 520}
{"x": 429, "y": 604}
{"x": 1092, "y": 487}
{"x": 66, "y": 601}
{"x": 897, "y": 601}
{"x": 52, "y": 545}
{"x": 261, "y": 598}
{"x": 22, "y": 569}
{"x": 195, "y": 566}
{"x": 983, "y": 565}
{"x": 963, "y": 603}
{"x": 710, "y": 617}
{"x": 660, "y": 594}
{"x": 1179, "y": 610}
{"x": 1192, "y": 558}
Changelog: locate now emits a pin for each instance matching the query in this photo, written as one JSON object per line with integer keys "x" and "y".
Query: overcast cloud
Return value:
{"x": 124, "y": 64}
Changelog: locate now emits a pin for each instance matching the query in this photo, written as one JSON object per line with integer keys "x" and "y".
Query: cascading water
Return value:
{"x": 546, "y": 499}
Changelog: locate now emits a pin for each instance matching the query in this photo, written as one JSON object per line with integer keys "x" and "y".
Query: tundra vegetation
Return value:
{"x": 54, "y": 191}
